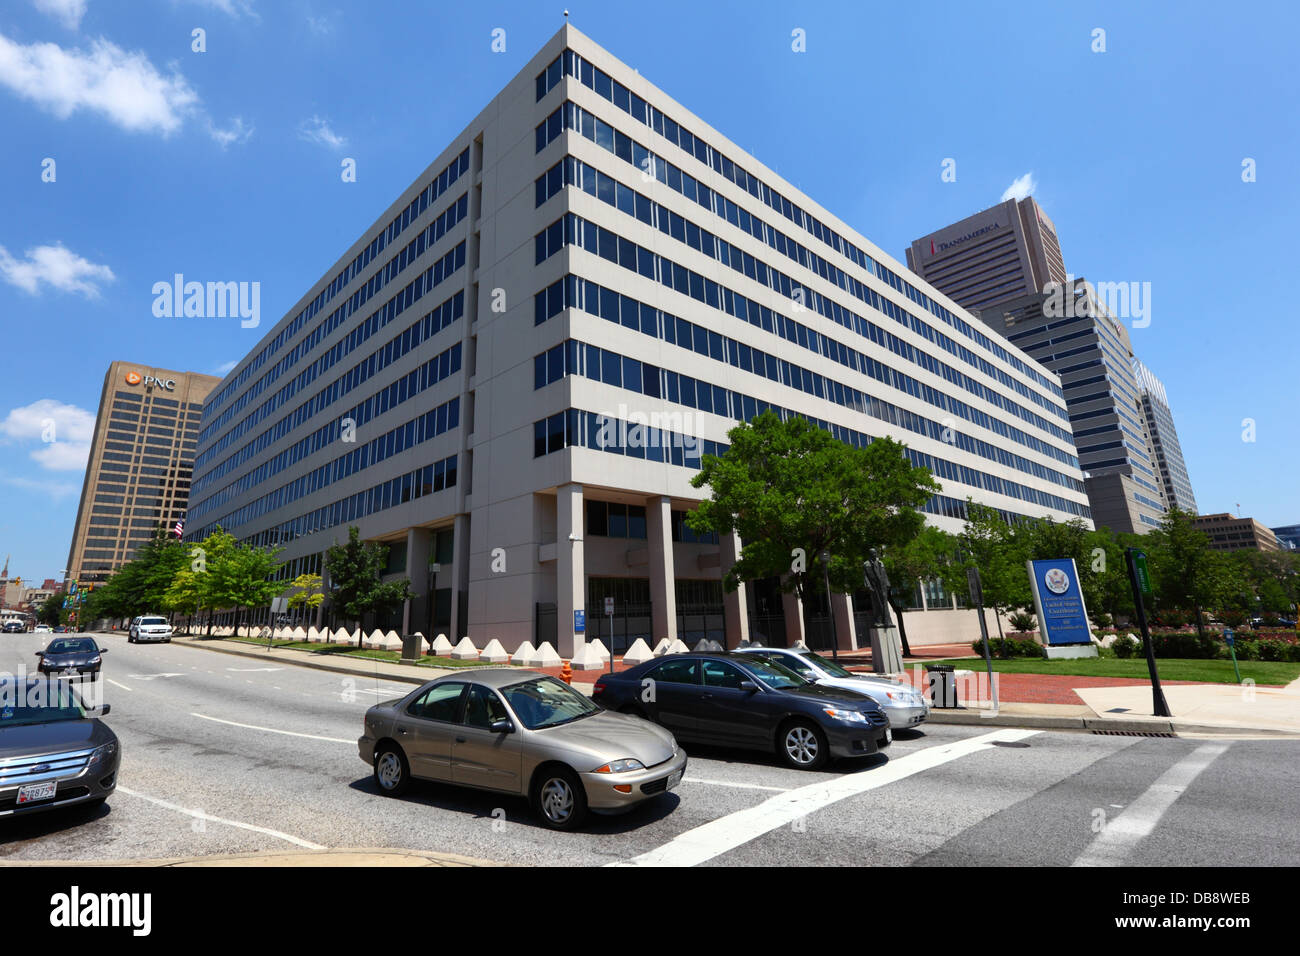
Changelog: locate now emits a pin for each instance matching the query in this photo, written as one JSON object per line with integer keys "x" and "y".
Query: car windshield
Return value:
{"x": 77, "y": 646}
{"x": 773, "y": 674}
{"x": 37, "y": 702}
{"x": 547, "y": 702}
{"x": 829, "y": 666}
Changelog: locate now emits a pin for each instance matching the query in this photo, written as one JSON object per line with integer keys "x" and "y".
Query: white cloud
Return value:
{"x": 124, "y": 87}
{"x": 236, "y": 132}
{"x": 317, "y": 130}
{"x": 68, "y": 12}
{"x": 225, "y": 367}
{"x": 55, "y": 489}
{"x": 321, "y": 26}
{"x": 63, "y": 431}
{"x": 234, "y": 8}
{"x": 1020, "y": 188}
{"x": 55, "y": 266}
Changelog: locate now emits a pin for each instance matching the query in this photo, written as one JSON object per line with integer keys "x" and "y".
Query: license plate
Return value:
{"x": 36, "y": 791}
{"x": 675, "y": 779}
{"x": 889, "y": 735}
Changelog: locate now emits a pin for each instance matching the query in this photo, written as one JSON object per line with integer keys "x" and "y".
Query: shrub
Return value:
{"x": 1023, "y": 622}
{"x": 1232, "y": 618}
{"x": 1185, "y": 645}
{"x": 1010, "y": 647}
{"x": 1100, "y": 619}
{"x": 1125, "y": 646}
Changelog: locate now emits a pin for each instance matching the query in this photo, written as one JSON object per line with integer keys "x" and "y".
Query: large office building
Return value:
{"x": 1230, "y": 533}
{"x": 1072, "y": 333}
{"x": 510, "y": 377}
{"x": 1288, "y": 537}
{"x": 138, "y": 474}
{"x": 1004, "y": 252}
{"x": 1162, "y": 440}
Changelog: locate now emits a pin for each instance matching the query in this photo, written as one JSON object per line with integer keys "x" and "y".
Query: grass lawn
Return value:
{"x": 1203, "y": 671}
{"x": 351, "y": 650}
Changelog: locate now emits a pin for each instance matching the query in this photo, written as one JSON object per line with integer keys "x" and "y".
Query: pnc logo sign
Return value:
{"x": 135, "y": 378}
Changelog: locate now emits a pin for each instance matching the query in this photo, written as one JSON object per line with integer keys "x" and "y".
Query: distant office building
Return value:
{"x": 141, "y": 458}
{"x": 1288, "y": 537}
{"x": 1006, "y": 251}
{"x": 661, "y": 285}
{"x": 1162, "y": 440}
{"x": 1071, "y": 333}
{"x": 1228, "y": 533}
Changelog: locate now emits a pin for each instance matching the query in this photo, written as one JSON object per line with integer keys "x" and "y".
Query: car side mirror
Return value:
{"x": 502, "y": 727}
{"x": 103, "y": 711}
{"x": 103, "y": 650}
{"x": 748, "y": 686}
{"x": 40, "y": 653}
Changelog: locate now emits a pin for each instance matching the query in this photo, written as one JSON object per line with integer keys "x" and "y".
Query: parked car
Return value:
{"x": 902, "y": 703}
{"x": 53, "y": 752}
{"x": 148, "y": 628}
{"x": 14, "y": 627}
{"x": 70, "y": 656}
{"x": 744, "y": 701}
{"x": 524, "y": 733}
{"x": 44, "y": 629}
{"x": 60, "y": 629}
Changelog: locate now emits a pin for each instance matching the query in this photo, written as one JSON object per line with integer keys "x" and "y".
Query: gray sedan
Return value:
{"x": 523, "y": 733}
{"x": 903, "y": 704}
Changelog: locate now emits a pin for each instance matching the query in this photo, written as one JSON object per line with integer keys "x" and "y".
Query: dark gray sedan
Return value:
{"x": 524, "y": 733}
{"x": 54, "y": 751}
{"x": 72, "y": 656}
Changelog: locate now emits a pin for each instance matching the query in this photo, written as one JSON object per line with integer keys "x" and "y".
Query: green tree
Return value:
{"x": 998, "y": 550}
{"x": 51, "y": 610}
{"x": 241, "y": 578}
{"x": 931, "y": 553}
{"x": 794, "y": 492}
{"x": 356, "y": 571}
{"x": 1188, "y": 573}
{"x": 307, "y": 591}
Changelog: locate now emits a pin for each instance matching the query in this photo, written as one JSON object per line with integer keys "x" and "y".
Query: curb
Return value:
{"x": 313, "y": 665}
{"x": 366, "y": 857}
{"x": 1156, "y": 725}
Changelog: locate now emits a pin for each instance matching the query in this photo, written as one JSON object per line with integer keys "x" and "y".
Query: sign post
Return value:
{"x": 1140, "y": 580}
{"x": 1228, "y": 636}
{"x": 609, "y": 613}
{"x": 977, "y": 598}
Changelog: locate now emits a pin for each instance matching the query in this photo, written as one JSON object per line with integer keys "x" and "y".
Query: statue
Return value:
{"x": 878, "y": 582}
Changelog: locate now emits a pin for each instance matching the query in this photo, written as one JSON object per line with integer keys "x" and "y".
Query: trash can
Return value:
{"x": 411, "y": 649}
{"x": 943, "y": 685}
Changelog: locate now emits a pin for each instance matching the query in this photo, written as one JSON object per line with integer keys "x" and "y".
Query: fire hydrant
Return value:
{"x": 566, "y": 673}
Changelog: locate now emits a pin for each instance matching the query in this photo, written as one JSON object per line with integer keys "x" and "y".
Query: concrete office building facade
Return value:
{"x": 1162, "y": 440}
{"x": 1230, "y": 533}
{"x": 1000, "y": 253}
{"x": 537, "y": 342}
{"x": 139, "y": 471}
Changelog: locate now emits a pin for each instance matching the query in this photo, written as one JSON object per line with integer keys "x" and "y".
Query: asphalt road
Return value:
{"x": 224, "y": 754}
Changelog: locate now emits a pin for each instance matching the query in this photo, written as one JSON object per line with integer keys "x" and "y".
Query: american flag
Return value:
{"x": 180, "y": 526}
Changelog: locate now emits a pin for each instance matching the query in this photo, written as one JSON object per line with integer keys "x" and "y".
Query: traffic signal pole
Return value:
{"x": 1140, "y": 580}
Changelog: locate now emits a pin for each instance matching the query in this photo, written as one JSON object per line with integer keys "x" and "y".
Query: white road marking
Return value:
{"x": 1112, "y": 845}
{"x": 251, "y": 670}
{"x": 153, "y": 676}
{"x": 273, "y": 730}
{"x": 200, "y": 815}
{"x": 735, "y": 829}
{"x": 740, "y": 786}
{"x": 381, "y": 691}
{"x": 116, "y": 684}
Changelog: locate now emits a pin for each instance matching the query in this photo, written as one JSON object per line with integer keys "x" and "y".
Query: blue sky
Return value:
{"x": 224, "y": 165}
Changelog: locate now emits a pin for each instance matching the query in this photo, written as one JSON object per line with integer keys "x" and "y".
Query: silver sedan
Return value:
{"x": 903, "y": 704}
{"x": 523, "y": 733}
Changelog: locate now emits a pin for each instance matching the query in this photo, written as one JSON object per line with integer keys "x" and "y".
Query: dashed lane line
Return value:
{"x": 200, "y": 815}
{"x": 273, "y": 730}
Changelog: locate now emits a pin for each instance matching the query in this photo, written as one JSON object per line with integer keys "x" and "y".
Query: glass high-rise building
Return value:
{"x": 514, "y": 372}
{"x": 138, "y": 474}
{"x": 1162, "y": 440}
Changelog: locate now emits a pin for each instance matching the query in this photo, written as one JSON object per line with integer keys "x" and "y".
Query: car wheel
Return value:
{"x": 802, "y": 745}
{"x": 559, "y": 799}
{"x": 392, "y": 773}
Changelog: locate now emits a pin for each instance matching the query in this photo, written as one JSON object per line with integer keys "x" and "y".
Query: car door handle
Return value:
{"x": 401, "y": 730}
{"x": 460, "y": 740}
{"x": 706, "y": 697}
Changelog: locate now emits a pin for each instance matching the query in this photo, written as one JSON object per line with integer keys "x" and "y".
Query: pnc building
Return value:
{"x": 511, "y": 376}
{"x": 138, "y": 474}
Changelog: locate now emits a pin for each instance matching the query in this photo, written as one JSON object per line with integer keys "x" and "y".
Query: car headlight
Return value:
{"x": 851, "y": 716}
{"x": 621, "y": 766}
{"x": 101, "y": 755}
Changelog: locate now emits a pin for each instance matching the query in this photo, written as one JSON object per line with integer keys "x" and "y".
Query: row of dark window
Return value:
{"x": 574, "y": 230}
{"x": 424, "y": 283}
{"x": 578, "y": 293}
{"x": 608, "y": 519}
{"x": 411, "y": 337}
{"x": 603, "y": 186}
{"x": 426, "y": 239}
{"x": 653, "y": 118}
{"x": 430, "y": 194}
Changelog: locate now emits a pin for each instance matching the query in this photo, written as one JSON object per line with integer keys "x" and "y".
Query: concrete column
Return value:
{"x": 457, "y": 575}
{"x": 663, "y": 575}
{"x": 925, "y": 598}
{"x": 735, "y": 604}
{"x": 792, "y": 608}
{"x": 846, "y": 638}
{"x": 570, "y": 572}
{"x": 415, "y": 612}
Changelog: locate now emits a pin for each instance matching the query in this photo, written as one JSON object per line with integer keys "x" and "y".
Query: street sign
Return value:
{"x": 1143, "y": 575}
{"x": 1058, "y": 601}
{"x": 609, "y": 605}
{"x": 1228, "y": 636}
{"x": 580, "y": 622}
{"x": 976, "y": 587}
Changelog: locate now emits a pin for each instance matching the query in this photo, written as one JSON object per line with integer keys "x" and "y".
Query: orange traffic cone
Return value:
{"x": 566, "y": 673}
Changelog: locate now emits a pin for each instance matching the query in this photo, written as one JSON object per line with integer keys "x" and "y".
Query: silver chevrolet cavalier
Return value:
{"x": 522, "y": 733}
